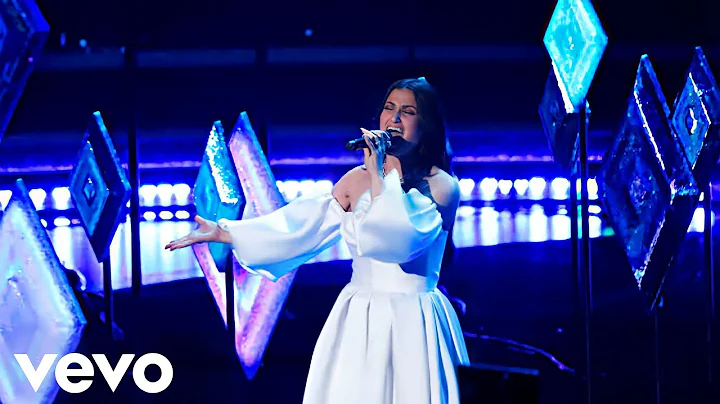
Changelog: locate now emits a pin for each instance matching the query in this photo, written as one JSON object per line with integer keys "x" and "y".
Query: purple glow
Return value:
{"x": 259, "y": 300}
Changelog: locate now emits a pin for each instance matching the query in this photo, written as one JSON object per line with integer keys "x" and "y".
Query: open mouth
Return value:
{"x": 393, "y": 130}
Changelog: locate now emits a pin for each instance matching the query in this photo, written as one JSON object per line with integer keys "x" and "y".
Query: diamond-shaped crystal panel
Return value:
{"x": 39, "y": 313}
{"x": 576, "y": 41}
{"x": 560, "y": 124}
{"x": 647, "y": 186}
{"x": 23, "y": 32}
{"x": 99, "y": 187}
{"x": 654, "y": 112}
{"x": 260, "y": 301}
{"x": 217, "y": 193}
{"x": 696, "y": 116}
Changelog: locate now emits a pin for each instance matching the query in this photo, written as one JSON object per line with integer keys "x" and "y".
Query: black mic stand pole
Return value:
{"x": 710, "y": 283}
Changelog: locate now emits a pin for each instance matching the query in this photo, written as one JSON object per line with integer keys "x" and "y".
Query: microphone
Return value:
{"x": 357, "y": 144}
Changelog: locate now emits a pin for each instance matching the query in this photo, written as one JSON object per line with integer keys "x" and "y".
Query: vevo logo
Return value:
{"x": 112, "y": 376}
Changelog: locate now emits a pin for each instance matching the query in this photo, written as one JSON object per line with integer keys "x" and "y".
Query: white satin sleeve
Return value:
{"x": 395, "y": 226}
{"x": 274, "y": 244}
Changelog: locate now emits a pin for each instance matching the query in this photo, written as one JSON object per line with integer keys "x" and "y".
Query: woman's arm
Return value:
{"x": 279, "y": 242}
{"x": 445, "y": 191}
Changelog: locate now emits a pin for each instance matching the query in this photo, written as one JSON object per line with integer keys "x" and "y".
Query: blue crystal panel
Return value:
{"x": 695, "y": 117}
{"x": 217, "y": 193}
{"x": 39, "y": 313}
{"x": 576, "y": 41}
{"x": 647, "y": 186}
{"x": 653, "y": 111}
{"x": 23, "y": 32}
{"x": 89, "y": 188}
{"x": 560, "y": 124}
{"x": 99, "y": 187}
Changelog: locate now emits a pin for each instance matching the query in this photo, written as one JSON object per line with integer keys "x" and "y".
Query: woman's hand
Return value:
{"x": 208, "y": 231}
{"x": 377, "y": 142}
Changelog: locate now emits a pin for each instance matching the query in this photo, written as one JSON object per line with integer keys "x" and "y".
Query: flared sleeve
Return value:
{"x": 275, "y": 244}
{"x": 395, "y": 226}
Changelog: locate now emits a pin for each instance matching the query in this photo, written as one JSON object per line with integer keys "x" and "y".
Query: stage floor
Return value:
{"x": 518, "y": 291}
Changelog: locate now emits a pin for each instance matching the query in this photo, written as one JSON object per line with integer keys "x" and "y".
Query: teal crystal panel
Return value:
{"x": 39, "y": 313}
{"x": 217, "y": 193}
{"x": 575, "y": 41}
{"x": 99, "y": 187}
{"x": 647, "y": 186}
{"x": 23, "y": 32}
{"x": 560, "y": 123}
{"x": 695, "y": 117}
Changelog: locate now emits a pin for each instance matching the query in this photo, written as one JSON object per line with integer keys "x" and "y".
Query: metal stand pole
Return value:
{"x": 579, "y": 312}
{"x": 133, "y": 165}
{"x": 575, "y": 238}
{"x": 108, "y": 296}
{"x": 656, "y": 335}
{"x": 230, "y": 300}
{"x": 711, "y": 314}
{"x": 585, "y": 275}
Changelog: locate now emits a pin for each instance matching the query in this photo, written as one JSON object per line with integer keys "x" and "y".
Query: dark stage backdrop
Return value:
{"x": 500, "y": 81}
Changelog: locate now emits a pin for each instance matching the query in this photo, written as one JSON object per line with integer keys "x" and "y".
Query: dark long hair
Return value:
{"x": 434, "y": 147}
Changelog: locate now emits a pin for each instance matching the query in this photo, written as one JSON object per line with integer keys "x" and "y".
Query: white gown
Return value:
{"x": 392, "y": 337}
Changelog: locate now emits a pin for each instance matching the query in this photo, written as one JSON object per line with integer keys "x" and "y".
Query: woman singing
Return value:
{"x": 392, "y": 337}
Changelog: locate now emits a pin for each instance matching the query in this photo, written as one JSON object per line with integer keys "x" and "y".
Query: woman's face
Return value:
{"x": 400, "y": 117}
